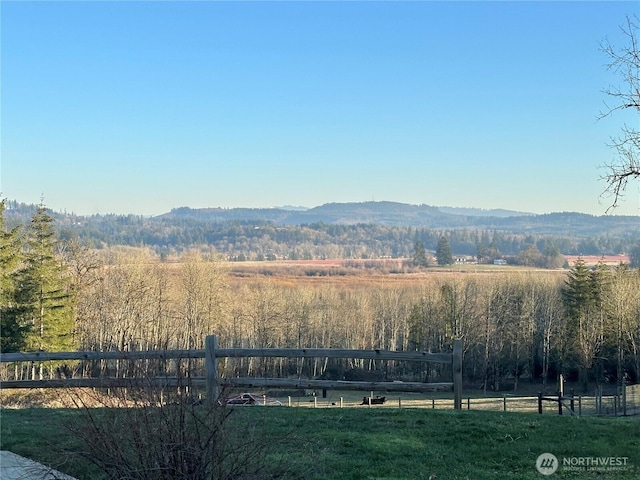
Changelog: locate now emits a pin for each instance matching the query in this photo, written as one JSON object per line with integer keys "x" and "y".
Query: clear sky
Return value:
{"x": 140, "y": 107}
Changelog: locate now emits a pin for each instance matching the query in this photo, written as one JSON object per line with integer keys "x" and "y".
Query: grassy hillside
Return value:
{"x": 363, "y": 443}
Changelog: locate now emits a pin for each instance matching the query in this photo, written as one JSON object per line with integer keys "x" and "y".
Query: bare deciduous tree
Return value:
{"x": 624, "y": 61}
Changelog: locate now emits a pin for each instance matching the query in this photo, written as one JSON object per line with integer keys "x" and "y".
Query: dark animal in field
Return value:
{"x": 377, "y": 400}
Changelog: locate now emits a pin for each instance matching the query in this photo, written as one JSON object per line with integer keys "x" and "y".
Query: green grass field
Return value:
{"x": 381, "y": 443}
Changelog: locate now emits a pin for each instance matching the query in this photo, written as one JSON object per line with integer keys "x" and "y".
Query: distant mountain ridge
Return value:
{"x": 420, "y": 216}
{"x": 483, "y": 212}
{"x": 382, "y": 213}
{"x": 351, "y": 213}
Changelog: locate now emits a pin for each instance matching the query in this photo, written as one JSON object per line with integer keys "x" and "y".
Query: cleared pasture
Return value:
{"x": 378, "y": 443}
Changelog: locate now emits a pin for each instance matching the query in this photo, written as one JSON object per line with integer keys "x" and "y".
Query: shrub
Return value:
{"x": 152, "y": 433}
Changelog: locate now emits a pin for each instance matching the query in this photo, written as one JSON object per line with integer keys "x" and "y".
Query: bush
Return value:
{"x": 147, "y": 433}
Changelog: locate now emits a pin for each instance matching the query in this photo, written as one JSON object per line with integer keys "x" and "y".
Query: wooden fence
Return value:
{"x": 623, "y": 402}
{"x": 214, "y": 381}
{"x": 631, "y": 398}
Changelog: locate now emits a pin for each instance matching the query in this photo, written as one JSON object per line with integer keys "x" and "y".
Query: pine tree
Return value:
{"x": 419, "y": 255}
{"x": 13, "y": 330}
{"x": 482, "y": 252}
{"x": 552, "y": 256}
{"x": 583, "y": 294}
{"x": 44, "y": 289}
{"x": 577, "y": 293}
{"x": 443, "y": 252}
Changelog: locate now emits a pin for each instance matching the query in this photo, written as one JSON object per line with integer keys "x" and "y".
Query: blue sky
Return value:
{"x": 140, "y": 107}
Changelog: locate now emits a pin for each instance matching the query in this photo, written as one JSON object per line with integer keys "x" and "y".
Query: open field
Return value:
{"x": 382, "y": 443}
{"x": 523, "y": 401}
{"x": 500, "y": 402}
{"x": 399, "y": 265}
{"x": 359, "y": 272}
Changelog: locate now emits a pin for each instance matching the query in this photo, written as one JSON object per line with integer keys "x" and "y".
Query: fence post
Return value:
{"x": 559, "y": 404}
{"x": 572, "y": 403}
{"x": 211, "y": 367}
{"x": 624, "y": 397}
{"x": 579, "y": 405}
{"x": 540, "y": 403}
{"x": 457, "y": 374}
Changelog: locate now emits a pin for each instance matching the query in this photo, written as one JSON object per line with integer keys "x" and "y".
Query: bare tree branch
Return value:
{"x": 625, "y": 61}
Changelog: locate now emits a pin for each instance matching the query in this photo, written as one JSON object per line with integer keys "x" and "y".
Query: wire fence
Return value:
{"x": 626, "y": 401}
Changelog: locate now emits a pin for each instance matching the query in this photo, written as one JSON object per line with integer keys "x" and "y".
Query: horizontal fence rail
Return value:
{"x": 213, "y": 381}
{"x": 230, "y": 353}
{"x": 108, "y": 355}
{"x": 101, "y": 382}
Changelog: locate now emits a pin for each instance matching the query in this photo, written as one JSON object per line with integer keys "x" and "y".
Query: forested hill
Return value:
{"x": 395, "y": 214}
{"x": 377, "y": 213}
{"x": 348, "y": 230}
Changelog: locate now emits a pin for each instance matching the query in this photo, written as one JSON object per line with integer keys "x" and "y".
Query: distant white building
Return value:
{"x": 465, "y": 259}
{"x": 499, "y": 261}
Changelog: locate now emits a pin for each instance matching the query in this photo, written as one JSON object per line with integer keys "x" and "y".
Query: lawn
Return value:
{"x": 382, "y": 443}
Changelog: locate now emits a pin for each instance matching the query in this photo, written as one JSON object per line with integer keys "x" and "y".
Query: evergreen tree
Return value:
{"x": 44, "y": 292}
{"x": 13, "y": 330}
{"x": 420, "y": 255}
{"x": 583, "y": 294}
{"x": 600, "y": 278}
{"x": 552, "y": 256}
{"x": 577, "y": 293}
{"x": 482, "y": 252}
{"x": 443, "y": 252}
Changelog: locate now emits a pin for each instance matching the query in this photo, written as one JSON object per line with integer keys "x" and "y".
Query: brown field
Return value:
{"x": 591, "y": 260}
{"x": 358, "y": 271}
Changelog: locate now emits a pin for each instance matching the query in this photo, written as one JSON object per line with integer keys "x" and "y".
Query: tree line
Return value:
{"x": 263, "y": 240}
{"x": 58, "y": 295}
